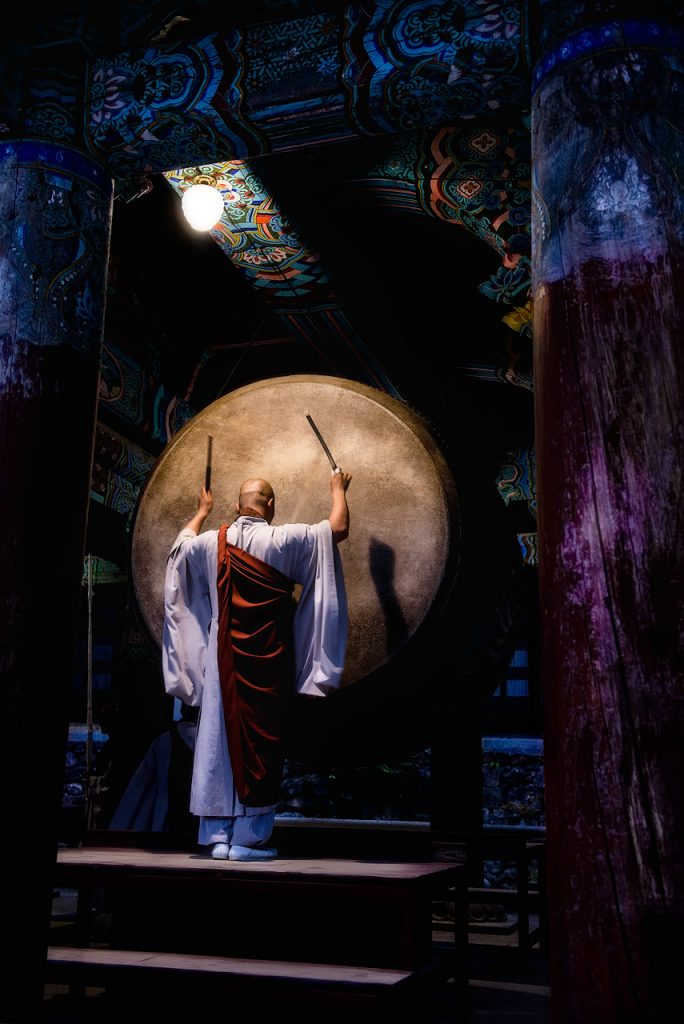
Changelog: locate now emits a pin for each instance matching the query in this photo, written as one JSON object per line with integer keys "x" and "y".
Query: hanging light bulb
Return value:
{"x": 202, "y": 206}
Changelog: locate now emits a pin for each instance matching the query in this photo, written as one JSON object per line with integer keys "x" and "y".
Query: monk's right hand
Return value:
{"x": 339, "y": 480}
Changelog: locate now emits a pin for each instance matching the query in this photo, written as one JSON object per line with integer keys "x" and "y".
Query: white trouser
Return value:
{"x": 245, "y": 830}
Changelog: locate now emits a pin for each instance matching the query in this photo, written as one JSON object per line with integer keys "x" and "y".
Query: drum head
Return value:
{"x": 401, "y": 555}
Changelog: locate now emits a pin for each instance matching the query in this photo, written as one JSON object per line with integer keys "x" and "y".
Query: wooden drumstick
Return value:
{"x": 207, "y": 472}
{"x": 324, "y": 446}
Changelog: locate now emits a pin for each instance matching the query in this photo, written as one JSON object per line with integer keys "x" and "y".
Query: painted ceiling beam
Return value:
{"x": 241, "y": 92}
{"x": 245, "y": 91}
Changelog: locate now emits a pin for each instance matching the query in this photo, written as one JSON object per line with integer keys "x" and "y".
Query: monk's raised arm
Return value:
{"x": 205, "y": 503}
{"x": 339, "y": 513}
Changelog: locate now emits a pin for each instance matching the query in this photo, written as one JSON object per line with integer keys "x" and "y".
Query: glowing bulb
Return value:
{"x": 202, "y": 206}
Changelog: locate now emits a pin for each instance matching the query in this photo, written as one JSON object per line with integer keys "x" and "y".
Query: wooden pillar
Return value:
{"x": 55, "y": 217}
{"x": 608, "y": 274}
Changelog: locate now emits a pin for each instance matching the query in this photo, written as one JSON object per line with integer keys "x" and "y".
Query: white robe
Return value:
{"x": 306, "y": 554}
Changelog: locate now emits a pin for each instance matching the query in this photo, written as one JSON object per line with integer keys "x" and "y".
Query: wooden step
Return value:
{"x": 123, "y": 969}
{"x": 173, "y": 901}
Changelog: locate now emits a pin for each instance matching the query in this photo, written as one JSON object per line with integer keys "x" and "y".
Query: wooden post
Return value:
{"x": 609, "y": 328}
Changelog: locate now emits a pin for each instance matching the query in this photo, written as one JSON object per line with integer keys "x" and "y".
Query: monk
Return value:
{"x": 236, "y": 645}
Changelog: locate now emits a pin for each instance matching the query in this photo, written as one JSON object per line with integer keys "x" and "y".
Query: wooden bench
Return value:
{"x": 520, "y": 847}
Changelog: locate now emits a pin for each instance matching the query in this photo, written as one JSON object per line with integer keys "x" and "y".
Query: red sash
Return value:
{"x": 256, "y": 668}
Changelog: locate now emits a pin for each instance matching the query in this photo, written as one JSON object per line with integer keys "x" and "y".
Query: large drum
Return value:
{"x": 401, "y": 555}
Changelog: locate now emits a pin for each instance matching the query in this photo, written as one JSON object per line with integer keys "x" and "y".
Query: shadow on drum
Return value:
{"x": 382, "y": 560}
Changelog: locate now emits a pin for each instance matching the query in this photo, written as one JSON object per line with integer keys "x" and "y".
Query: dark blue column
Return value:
{"x": 55, "y": 217}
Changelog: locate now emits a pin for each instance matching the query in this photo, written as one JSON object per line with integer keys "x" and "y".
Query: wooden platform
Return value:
{"x": 357, "y": 929}
{"x": 110, "y": 862}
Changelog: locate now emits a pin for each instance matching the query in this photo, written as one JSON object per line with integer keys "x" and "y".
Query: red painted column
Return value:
{"x": 55, "y": 217}
{"x": 608, "y": 276}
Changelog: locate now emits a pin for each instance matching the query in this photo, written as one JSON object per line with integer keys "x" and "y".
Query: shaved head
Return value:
{"x": 256, "y": 496}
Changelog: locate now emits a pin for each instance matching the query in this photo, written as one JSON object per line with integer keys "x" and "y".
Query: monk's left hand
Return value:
{"x": 205, "y": 502}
